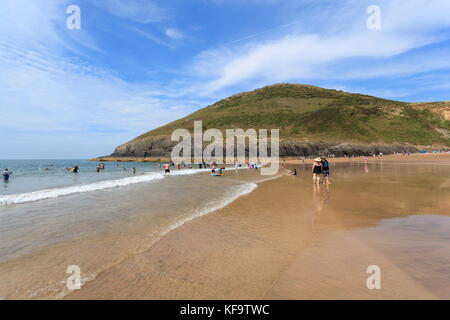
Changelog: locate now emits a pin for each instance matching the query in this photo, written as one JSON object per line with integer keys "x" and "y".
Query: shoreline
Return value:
{"x": 291, "y": 160}
{"x": 254, "y": 247}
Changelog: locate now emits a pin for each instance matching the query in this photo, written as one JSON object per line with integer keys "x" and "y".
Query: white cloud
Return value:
{"x": 51, "y": 99}
{"x": 174, "y": 33}
{"x": 405, "y": 26}
{"x": 140, "y": 11}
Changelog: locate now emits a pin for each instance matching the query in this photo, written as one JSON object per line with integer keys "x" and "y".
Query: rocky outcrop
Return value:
{"x": 161, "y": 147}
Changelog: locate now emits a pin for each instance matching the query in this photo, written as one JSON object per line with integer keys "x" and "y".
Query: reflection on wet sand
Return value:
{"x": 292, "y": 240}
{"x": 383, "y": 214}
{"x": 321, "y": 197}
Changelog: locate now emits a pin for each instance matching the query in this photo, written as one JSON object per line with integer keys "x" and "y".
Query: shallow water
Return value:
{"x": 97, "y": 229}
{"x": 393, "y": 215}
{"x": 33, "y": 175}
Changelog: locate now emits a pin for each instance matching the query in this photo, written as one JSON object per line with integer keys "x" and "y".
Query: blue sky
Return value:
{"x": 137, "y": 64}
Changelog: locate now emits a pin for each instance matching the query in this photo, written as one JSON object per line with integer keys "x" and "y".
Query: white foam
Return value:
{"x": 95, "y": 186}
{"x": 232, "y": 195}
{"x": 58, "y": 192}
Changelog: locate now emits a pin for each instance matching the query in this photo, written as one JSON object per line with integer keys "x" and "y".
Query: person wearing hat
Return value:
{"x": 317, "y": 170}
{"x": 325, "y": 170}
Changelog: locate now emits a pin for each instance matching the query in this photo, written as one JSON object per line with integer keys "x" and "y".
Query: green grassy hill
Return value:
{"x": 307, "y": 114}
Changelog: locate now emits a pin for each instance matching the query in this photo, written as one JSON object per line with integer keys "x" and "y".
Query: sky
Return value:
{"x": 135, "y": 65}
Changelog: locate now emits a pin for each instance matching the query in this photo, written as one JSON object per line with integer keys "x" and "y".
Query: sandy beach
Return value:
{"x": 289, "y": 239}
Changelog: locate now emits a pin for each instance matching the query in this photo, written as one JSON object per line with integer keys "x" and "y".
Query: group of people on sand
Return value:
{"x": 321, "y": 166}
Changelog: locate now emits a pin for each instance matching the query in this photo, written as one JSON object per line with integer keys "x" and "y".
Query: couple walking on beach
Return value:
{"x": 320, "y": 167}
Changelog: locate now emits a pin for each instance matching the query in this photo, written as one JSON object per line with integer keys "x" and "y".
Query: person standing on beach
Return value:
{"x": 326, "y": 170}
{"x": 317, "y": 170}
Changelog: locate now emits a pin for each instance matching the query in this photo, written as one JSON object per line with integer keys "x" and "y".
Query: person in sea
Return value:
{"x": 326, "y": 170}
{"x": 317, "y": 170}
{"x": 74, "y": 169}
{"x": 134, "y": 170}
{"x": 167, "y": 167}
{"x": 6, "y": 173}
{"x": 293, "y": 172}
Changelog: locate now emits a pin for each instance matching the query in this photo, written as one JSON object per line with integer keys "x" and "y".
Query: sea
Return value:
{"x": 52, "y": 219}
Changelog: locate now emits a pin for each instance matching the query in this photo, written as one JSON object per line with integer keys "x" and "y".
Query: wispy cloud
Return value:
{"x": 62, "y": 90}
{"x": 48, "y": 93}
{"x": 174, "y": 33}
{"x": 140, "y": 11}
{"x": 152, "y": 37}
{"x": 311, "y": 56}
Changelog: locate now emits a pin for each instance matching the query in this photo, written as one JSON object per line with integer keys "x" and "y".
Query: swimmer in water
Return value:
{"x": 6, "y": 173}
{"x": 167, "y": 167}
{"x": 74, "y": 169}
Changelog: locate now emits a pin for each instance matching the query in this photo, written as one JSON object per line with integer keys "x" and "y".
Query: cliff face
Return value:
{"x": 161, "y": 147}
{"x": 312, "y": 121}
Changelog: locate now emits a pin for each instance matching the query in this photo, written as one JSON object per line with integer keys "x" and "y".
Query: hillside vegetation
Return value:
{"x": 311, "y": 115}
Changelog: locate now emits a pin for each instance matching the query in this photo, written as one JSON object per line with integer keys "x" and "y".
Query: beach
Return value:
{"x": 290, "y": 239}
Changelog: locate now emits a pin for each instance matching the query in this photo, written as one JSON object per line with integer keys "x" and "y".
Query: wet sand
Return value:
{"x": 289, "y": 239}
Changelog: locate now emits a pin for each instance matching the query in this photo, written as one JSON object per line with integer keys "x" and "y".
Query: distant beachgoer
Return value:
{"x": 134, "y": 170}
{"x": 326, "y": 170}
{"x": 283, "y": 164}
{"x": 73, "y": 169}
{"x": 167, "y": 167}
{"x": 6, "y": 173}
{"x": 293, "y": 172}
{"x": 101, "y": 166}
{"x": 317, "y": 170}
